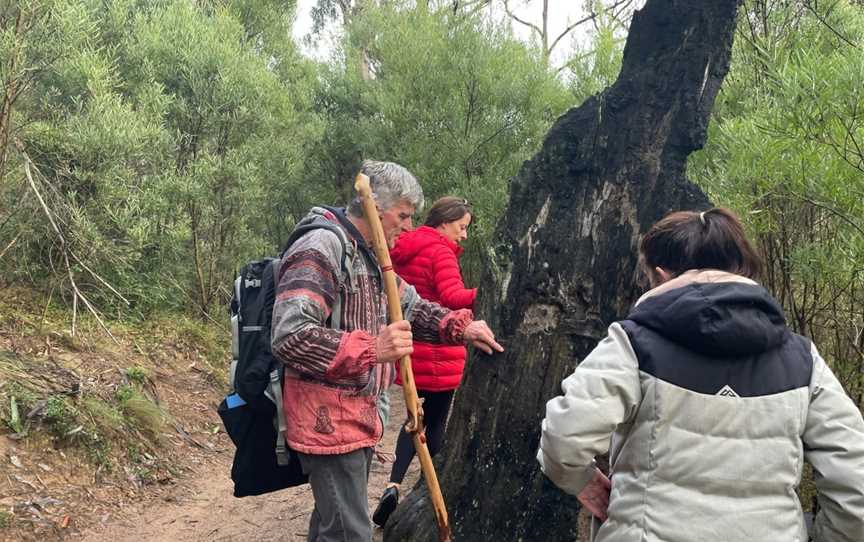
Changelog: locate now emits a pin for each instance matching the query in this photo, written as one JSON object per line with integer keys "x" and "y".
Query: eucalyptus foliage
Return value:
{"x": 457, "y": 99}
{"x": 594, "y": 66}
{"x": 167, "y": 140}
{"x": 171, "y": 141}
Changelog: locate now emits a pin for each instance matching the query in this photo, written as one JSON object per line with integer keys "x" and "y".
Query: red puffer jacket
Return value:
{"x": 429, "y": 261}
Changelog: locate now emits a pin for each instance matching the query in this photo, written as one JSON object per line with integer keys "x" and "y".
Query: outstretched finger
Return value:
{"x": 479, "y": 343}
{"x": 489, "y": 339}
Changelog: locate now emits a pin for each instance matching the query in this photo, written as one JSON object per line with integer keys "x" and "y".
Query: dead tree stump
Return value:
{"x": 563, "y": 266}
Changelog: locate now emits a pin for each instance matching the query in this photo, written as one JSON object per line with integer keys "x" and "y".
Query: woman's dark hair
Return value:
{"x": 712, "y": 239}
{"x": 447, "y": 209}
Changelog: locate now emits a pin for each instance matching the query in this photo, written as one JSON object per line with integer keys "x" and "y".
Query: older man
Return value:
{"x": 330, "y": 329}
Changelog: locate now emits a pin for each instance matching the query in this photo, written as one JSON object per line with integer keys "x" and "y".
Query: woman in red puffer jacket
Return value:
{"x": 427, "y": 258}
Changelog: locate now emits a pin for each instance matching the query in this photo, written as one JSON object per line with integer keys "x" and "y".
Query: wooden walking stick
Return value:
{"x": 414, "y": 425}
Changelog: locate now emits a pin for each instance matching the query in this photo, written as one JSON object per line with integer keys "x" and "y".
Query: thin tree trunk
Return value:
{"x": 10, "y": 92}
{"x": 563, "y": 266}
{"x": 195, "y": 225}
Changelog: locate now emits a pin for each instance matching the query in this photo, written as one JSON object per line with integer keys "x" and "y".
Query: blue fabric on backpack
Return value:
{"x": 234, "y": 400}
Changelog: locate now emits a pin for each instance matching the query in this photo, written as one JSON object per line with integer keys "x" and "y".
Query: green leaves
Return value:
{"x": 161, "y": 132}
{"x": 457, "y": 99}
{"x": 595, "y": 66}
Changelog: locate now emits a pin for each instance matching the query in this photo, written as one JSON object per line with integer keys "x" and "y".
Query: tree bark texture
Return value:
{"x": 563, "y": 266}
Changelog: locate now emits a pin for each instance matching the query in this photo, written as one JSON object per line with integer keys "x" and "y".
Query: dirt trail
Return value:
{"x": 201, "y": 506}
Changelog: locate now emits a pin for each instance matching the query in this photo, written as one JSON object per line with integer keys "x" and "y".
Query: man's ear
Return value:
{"x": 662, "y": 275}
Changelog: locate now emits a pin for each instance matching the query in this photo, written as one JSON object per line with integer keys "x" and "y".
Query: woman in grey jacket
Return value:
{"x": 712, "y": 405}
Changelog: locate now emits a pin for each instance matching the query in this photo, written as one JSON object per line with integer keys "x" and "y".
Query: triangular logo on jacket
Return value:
{"x": 726, "y": 391}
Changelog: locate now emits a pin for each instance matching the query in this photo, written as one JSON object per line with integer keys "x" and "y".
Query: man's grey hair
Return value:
{"x": 390, "y": 183}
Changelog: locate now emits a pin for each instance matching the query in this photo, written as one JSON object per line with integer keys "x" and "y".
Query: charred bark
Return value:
{"x": 563, "y": 266}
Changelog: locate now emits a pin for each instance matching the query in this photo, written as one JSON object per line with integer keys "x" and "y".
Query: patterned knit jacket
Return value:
{"x": 429, "y": 261}
{"x": 332, "y": 383}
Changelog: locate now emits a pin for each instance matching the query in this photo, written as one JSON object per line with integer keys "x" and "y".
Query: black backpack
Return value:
{"x": 252, "y": 413}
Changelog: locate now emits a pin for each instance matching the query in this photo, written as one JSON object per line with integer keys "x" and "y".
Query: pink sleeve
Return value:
{"x": 354, "y": 357}
{"x": 452, "y": 327}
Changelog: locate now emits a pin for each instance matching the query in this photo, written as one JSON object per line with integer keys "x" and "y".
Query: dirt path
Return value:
{"x": 201, "y": 506}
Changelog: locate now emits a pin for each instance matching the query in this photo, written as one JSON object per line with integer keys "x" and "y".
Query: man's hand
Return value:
{"x": 595, "y": 496}
{"x": 479, "y": 335}
{"x": 394, "y": 342}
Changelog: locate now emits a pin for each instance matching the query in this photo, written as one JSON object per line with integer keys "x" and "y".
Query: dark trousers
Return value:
{"x": 436, "y": 407}
{"x": 338, "y": 483}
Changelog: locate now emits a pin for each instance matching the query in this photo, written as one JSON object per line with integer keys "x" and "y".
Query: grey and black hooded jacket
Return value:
{"x": 712, "y": 405}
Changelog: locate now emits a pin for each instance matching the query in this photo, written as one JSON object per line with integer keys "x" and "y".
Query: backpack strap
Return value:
{"x": 300, "y": 231}
{"x": 235, "y": 333}
{"x": 282, "y": 456}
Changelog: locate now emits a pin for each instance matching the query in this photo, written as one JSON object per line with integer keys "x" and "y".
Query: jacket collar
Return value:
{"x": 432, "y": 232}
{"x": 693, "y": 276}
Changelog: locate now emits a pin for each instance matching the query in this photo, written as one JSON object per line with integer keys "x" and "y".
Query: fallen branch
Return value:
{"x": 100, "y": 279}
{"x": 74, "y": 312}
{"x": 64, "y": 248}
{"x": 86, "y": 301}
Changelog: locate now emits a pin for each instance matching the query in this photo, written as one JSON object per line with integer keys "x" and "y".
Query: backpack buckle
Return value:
{"x": 282, "y": 456}
{"x": 252, "y": 283}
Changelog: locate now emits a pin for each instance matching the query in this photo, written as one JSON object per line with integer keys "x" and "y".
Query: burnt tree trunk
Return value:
{"x": 563, "y": 266}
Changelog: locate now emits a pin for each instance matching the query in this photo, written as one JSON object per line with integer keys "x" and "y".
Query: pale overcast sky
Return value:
{"x": 561, "y": 14}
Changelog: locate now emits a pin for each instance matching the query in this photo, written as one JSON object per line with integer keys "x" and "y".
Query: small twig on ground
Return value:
{"x": 187, "y": 437}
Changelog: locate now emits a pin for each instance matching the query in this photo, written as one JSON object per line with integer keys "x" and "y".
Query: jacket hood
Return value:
{"x": 714, "y": 313}
{"x": 333, "y": 215}
{"x": 409, "y": 244}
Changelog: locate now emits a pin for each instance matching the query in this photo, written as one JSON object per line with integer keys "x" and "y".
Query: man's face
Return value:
{"x": 396, "y": 220}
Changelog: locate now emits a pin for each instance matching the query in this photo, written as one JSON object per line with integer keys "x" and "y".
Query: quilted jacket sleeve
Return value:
{"x": 603, "y": 392}
{"x": 834, "y": 445}
{"x": 430, "y": 322}
{"x": 448, "y": 280}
